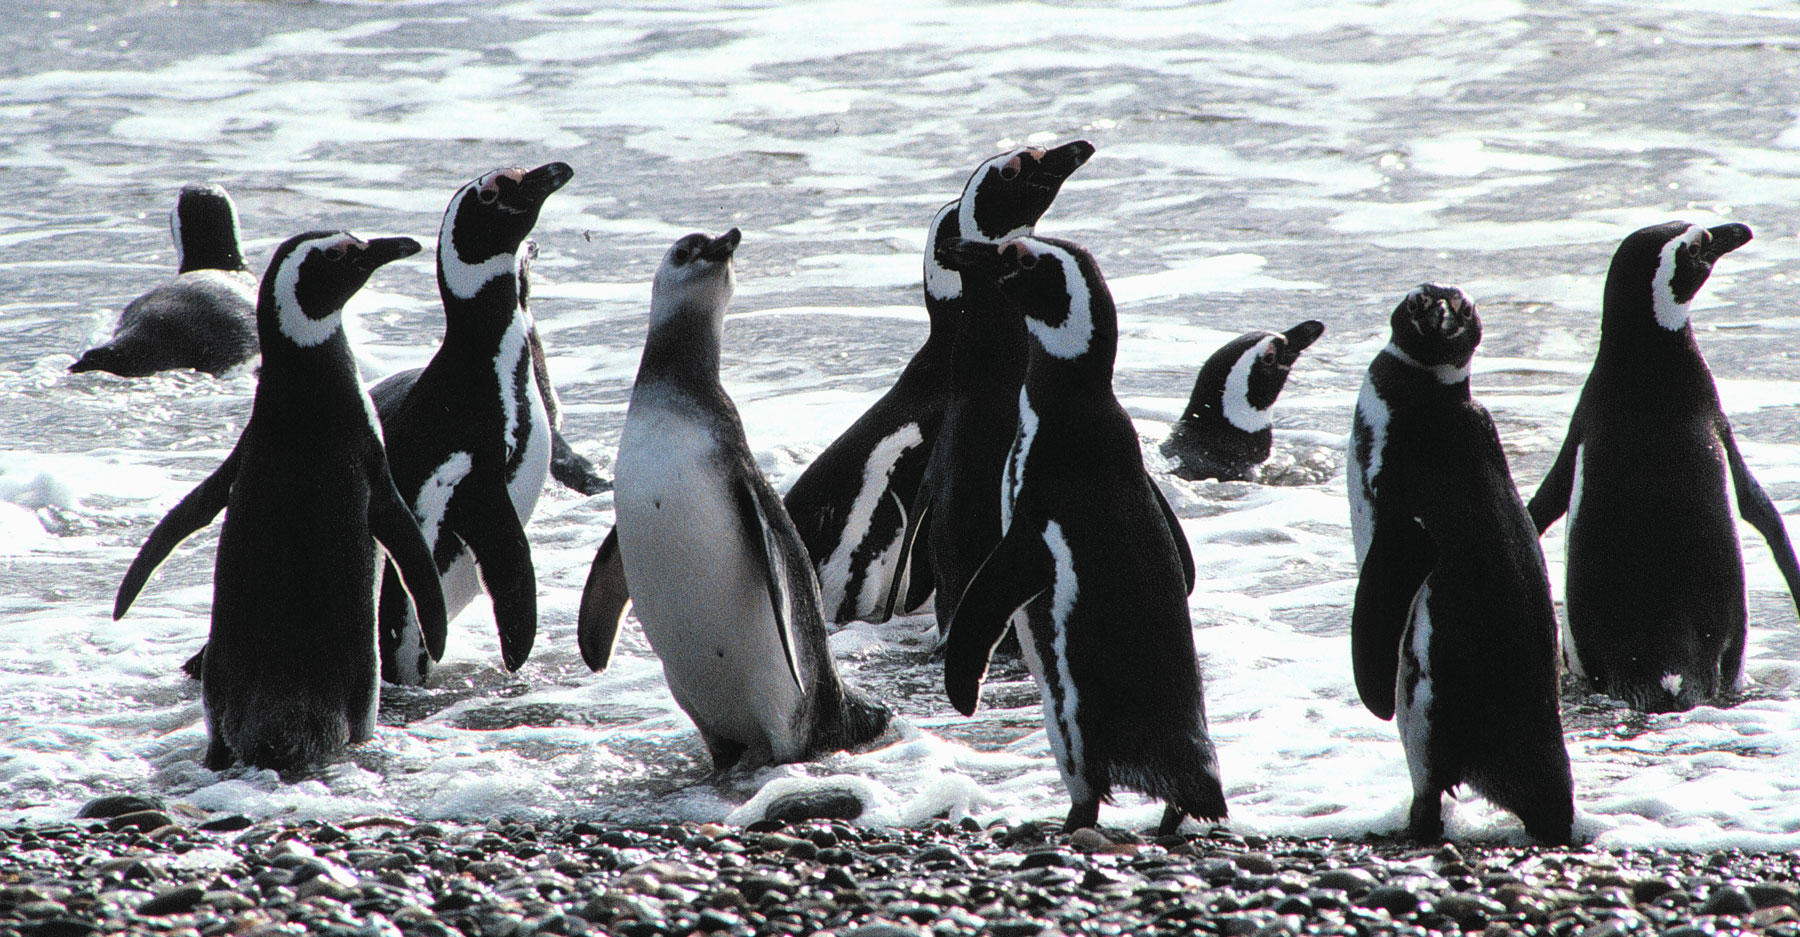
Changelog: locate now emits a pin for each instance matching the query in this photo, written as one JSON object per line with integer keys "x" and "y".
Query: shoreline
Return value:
{"x": 144, "y": 868}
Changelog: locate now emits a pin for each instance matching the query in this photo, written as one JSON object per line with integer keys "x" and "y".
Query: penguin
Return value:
{"x": 1646, "y": 474}
{"x": 852, "y": 503}
{"x": 721, "y": 581}
{"x": 290, "y": 672}
{"x": 1225, "y": 432}
{"x": 955, "y": 517}
{"x": 1091, "y": 570}
{"x": 469, "y": 435}
{"x": 202, "y": 319}
{"x": 1453, "y": 628}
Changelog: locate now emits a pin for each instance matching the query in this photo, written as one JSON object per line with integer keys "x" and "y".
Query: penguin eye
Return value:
{"x": 681, "y": 255}
{"x": 487, "y": 195}
{"x": 1267, "y": 356}
{"x": 335, "y": 253}
{"x": 1009, "y": 172}
{"x": 1027, "y": 260}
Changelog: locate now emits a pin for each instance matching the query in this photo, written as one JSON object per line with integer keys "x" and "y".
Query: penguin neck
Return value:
{"x": 1631, "y": 338}
{"x": 1416, "y": 383}
{"x": 216, "y": 254}
{"x": 479, "y": 322}
{"x": 683, "y": 348}
{"x": 990, "y": 348}
{"x": 314, "y": 369}
{"x": 1051, "y": 377}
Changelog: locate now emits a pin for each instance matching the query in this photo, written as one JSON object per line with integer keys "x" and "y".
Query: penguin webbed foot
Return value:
{"x": 1083, "y": 814}
{"x": 572, "y": 470}
{"x": 1425, "y": 823}
{"x": 218, "y": 756}
{"x": 1171, "y": 820}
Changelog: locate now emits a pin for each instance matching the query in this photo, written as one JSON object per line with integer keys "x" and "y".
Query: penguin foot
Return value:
{"x": 1171, "y": 820}
{"x": 1082, "y": 814}
{"x": 1426, "y": 824}
{"x": 194, "y": 665}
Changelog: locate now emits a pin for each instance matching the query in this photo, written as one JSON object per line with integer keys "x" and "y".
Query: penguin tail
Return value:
{"x": 859, "y": 721}
{"x": 290, "y": 737}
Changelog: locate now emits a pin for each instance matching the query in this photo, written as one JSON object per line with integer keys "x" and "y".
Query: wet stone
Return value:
{"x": 139, "y": 820}
{"x": 178, "y": 900}
{"x": 1729, "y": 899}
{"x": 117, "y": 805}
{"x": 1396, "y": 900}
{"x": 1470, "y": 911}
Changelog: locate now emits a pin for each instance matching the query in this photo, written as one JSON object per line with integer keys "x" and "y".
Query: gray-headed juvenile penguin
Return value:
{"x": 1453, "y": 627}
{"x": 956, "y": 513}
{"x": 202, "y": 319}
{"x": 469, "y": 436}
{"x": 1091, "y": 557}
{"x": 1226, "y": 430}
{"x": 721, "y": 580}
{"x": 1647, "y": 475}
{"x": 290, "y": 672}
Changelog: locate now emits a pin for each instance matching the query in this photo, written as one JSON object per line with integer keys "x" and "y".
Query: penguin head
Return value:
{"x": 1436, "y": 329}
{"x": 486, "y": 222}
{"x": 1249, "y": 372}
{"x": 695, "y": 274}
{"x": 1008, "y": 193}
{"x": 204, "y": 224}
{"x": 1673, "y": 261}
{"x": 942, "y": 285}
{"x": 1055, "y": 284}
{"x": 310, "y": 278}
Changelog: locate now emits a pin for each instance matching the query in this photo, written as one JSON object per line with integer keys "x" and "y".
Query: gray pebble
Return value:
{"x": 1728, "y": 899}
{"x": 178, "y": 900}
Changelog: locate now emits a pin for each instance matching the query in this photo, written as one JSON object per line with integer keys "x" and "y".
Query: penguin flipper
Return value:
{"x": 914, "y": 554}
{"x": 1401, "y": 554}
{"x": 1552, "y": 498}
{"x": 761, "y": 535}
{"x": 1016, "y": 572}
{"x": 603, "y": 603}
{"x": 1181, "y": 541}
{"x": 398, "y": 532}
{"x": 1756, "y": 508}
{"x": 491, "y": 528}
{"x": 194, "y": 511}
{"x": 572, "y": 470}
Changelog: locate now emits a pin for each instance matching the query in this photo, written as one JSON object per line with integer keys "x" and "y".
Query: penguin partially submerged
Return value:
{"x": 1227, "y": 429}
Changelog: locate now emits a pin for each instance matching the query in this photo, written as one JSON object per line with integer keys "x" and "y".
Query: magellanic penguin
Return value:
{"x": 1647, "y": 474}
{"x": 720, "y": 579}
{"x": 290, "y": 671}
{"x": 469, "y": 436}
{"x": 1226, "y": 430}
{"x": 1091, "y": 555}
{"x": 1453, "y": 626}
{"x": 955, "y": 516}
{"x": 202, "y": 318}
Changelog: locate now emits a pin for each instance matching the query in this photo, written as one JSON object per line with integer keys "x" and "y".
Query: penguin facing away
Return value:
{"x": 1453, "y": 628}
{"x": 1647, "y": 473}
{"x": 956, "y": 514}
{"x": 290, "y": 672}
{"x": 1092, "y": 569}
{"x": 1226, "y": 430}
{"x": 469, "y": 435}
{"x": 202, "y": 319}
{"x": 722, "y": 583}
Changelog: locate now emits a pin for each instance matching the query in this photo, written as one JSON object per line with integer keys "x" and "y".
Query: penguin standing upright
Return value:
{"x": 290, "y": 672}
{"x": 1647, "y": 473}
{"x": 1226, "y": 430}
{"x": 469, "y": 436}
{"x": 956, "y": 513}
{"x": 1453, "y": 627}
{"x": 1090, "y": 553}
{"x": 202, "y": 318}
{"x": 852, "y": 505}
{"x": 720, "y": 579}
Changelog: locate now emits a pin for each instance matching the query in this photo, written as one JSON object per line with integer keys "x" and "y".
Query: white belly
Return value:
{"x": 698, "y": 592}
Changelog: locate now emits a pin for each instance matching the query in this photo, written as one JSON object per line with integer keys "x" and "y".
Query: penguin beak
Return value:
{"x": 538, "y": 184}
{"x": 1061, "y": 162}
{"x": 722, "y": 247}
{"x": 1725, "y": 239}
{"x": 963, "y": 255}
{"x": 1303, "y": 335}
{"x": 378, "y": 251}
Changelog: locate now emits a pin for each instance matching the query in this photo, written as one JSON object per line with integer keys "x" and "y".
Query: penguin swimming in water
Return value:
{"x": 720, "y": 578}
{"x": 202, "y": 319}
{"x": 1226, "y": 430}
{"x": 1453, "y": 628}
{"x": 1647, "y": 474}
{"x": 469, "y": 435}
{"x": 852, "y": 504}
{"x": 956, "y": 515}
{"x": 1092, "y": 569}
{"x": 290, "y": 672}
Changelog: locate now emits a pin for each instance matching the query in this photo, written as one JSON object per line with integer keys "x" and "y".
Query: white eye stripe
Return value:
{"x": 1071, "y": 339}
{"x": 1671, "y": 314}
{"x": 463, "y": 279}
{"x": 1236, "y": 404}
{"x": 301, "y": 329}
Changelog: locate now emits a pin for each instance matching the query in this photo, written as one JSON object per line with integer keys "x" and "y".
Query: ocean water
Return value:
{"x": 1258, "y": 164}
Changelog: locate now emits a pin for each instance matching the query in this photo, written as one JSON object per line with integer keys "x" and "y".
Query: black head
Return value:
{"x": 1008, "y": 193}
{"x": 695, "y": 273}
{"x": 205, "y": 227}
{"x": 1247, "y": 373}
{"x": 310, "y": 278}
{"x": 1662, "y": 267}
{"x": 489, "y": 218}
{"x": 1055, "y": 284}
{"x": 1436, "y": 328}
